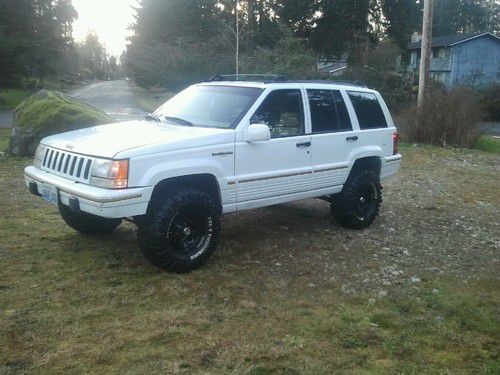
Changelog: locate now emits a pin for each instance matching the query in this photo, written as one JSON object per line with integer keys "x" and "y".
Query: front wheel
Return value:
{"x": 181, "y": 232}
{"x": 358, "y": 204}
{"x": 87, "y": 223}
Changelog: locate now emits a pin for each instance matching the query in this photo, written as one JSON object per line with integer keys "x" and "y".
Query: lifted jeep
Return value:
{"x": 217, "y": 147}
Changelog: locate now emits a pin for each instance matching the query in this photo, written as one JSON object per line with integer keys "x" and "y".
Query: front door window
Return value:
{"x": 282, "y": 111}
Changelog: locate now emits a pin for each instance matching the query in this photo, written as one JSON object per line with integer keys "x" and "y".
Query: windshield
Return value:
{"x": 209, "y": 106}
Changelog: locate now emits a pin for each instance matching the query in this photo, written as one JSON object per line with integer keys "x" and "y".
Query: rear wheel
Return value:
{"x": 181, "y": 232}
{"x": 358, "y": 204}
{"x": 87, "y": 223}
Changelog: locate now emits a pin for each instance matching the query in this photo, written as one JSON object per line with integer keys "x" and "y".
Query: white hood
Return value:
{"x": 108, "y": 140}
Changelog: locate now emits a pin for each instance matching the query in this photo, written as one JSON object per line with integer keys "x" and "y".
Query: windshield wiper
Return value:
{"x": 151, "y": 117}
{"x": 178, "y": 120}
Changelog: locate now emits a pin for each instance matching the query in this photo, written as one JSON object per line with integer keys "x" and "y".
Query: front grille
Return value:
{"x": 67, "y": 164}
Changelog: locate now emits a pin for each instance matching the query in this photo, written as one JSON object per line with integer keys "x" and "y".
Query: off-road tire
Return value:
{"x": 163, "y": 241}
{"x": 345, "y": 206}
{"x": 87, "y": 223}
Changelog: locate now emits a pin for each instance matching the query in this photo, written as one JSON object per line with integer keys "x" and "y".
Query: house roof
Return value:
{"x": 450, "y": 40}
{"x": 334, "y": 67}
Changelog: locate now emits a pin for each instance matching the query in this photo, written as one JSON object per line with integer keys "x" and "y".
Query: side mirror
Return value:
{"x": 258, "y": 133}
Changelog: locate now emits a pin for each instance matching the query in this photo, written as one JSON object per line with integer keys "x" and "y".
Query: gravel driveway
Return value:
{"x": 113, "y": 97}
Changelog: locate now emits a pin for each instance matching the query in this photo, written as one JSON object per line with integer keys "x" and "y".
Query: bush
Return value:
{"x": 46, "y": 113}
{"x": 447, "y": 118}
{"x": 490, "y": 102}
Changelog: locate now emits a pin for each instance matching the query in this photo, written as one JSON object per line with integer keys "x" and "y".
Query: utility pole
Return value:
{"x": 237, "y": 38}
{"x": 425, "y": 53}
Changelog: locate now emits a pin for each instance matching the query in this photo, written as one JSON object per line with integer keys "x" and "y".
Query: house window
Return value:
{"x": 438, "y": 77}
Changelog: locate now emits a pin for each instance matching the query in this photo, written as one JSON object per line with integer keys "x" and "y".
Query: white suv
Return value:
{"x": 220, "y": 147}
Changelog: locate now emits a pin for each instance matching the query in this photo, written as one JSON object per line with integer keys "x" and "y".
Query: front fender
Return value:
{"x": 153, "y": 174}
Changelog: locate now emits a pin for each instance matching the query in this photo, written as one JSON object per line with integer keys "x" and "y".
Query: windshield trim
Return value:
{"x": 258, "y": 92}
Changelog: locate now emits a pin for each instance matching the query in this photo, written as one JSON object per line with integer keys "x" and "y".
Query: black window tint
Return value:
{"x": 368, "y": 110}
{"x": 344, "y": 119}
{"x": 323, "y": 114}
{"x": 282, "y": 112}
{"x": 328, "y": 111}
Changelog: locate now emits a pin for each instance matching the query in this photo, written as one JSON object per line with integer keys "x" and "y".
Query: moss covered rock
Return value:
{"x": 50, "y": 112}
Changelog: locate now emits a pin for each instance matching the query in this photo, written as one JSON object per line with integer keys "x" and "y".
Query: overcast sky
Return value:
{"x": 108, "y": 18}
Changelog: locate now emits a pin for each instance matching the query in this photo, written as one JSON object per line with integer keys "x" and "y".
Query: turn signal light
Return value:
{"x": 119, "y": 170}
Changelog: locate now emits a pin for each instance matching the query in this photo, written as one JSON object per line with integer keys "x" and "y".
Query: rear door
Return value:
{"x": 332, "y": 137}
{"x": 375, "y": 123}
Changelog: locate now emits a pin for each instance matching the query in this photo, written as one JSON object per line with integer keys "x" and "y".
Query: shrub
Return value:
{"x": 490, "y": 102}
{"x": 447, "y": 118}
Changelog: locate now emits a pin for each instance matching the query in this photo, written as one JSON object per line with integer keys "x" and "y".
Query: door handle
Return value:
{"x": 304, "y": 144}
{"x": 352, "y": 139}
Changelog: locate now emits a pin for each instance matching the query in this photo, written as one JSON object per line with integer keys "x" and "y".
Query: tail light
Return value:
{"x": 395, "y": 143}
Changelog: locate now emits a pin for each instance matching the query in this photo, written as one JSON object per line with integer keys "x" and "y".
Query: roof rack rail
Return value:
{"x": 351, "y": 83}
{"x": 249, "y": 77}
{"x": 331, "y": 82}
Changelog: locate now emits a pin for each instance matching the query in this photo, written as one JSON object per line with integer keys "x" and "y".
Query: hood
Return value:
{"x": 108, "y": 140}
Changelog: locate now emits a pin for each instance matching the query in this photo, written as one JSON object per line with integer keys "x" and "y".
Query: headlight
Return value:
{"x": 39, "y": 154}
{"x": 111, "y": 174}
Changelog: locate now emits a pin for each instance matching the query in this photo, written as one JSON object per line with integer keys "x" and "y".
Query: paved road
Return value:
{"x": 113, "y": 97}
{"x": 490, "y": 128}
{"x": 6, "y": 118}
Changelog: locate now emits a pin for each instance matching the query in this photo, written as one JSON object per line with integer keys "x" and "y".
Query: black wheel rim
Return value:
{"x": 189, "y": 232}
{"x": 365, "y": 201}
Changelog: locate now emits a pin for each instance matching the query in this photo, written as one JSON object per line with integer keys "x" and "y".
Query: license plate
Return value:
{"x": 49, "y": 194}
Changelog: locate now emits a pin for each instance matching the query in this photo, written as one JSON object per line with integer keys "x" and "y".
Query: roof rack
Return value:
{"x": 330, "y": 82}
{"x": 249, "y": 77}
{"x": 276, "y": 78}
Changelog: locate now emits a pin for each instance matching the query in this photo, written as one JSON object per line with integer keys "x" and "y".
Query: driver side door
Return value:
{"x": 282, "y": 165}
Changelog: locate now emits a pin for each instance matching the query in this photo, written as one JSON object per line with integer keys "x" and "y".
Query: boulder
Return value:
{"x": 50, "y": 112}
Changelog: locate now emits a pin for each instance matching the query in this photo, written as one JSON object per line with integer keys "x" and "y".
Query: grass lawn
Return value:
{"x": 4, "y": 139}
{"x": 11, "y": 98}
{"x": 489, "y": 144}
{"x": 287, "y": 292}
{"x": 150, "y": 99}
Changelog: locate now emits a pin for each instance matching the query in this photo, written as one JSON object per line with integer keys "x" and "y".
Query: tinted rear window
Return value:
{"x": 368, "y": 110}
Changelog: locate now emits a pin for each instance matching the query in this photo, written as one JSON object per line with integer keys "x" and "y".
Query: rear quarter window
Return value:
{"x": 368, "y": 110}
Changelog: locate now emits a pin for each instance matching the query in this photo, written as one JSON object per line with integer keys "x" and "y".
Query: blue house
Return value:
{"x": 466, "y": 59}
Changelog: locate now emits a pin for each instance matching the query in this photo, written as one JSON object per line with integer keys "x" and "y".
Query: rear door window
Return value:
{"x": 368, "y": 110}
{"x": 328, "y": 111}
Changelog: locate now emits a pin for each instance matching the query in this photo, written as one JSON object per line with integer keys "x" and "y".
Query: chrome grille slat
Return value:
{"x": 45, "y": 156}
{"x": 59, "y": 164}
{"x": 50, "y": 158}
{"x": 79, "y": 170}
{"x": 69, "y": 165}
{"x": 87, "y": 169}
{"x": 73, "y": 162}
{"x": 66, "y": 163}
{"x": 54, "y": 162}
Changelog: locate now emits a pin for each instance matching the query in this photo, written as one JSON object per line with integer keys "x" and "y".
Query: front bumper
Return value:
{"x": 107, "y": 203}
